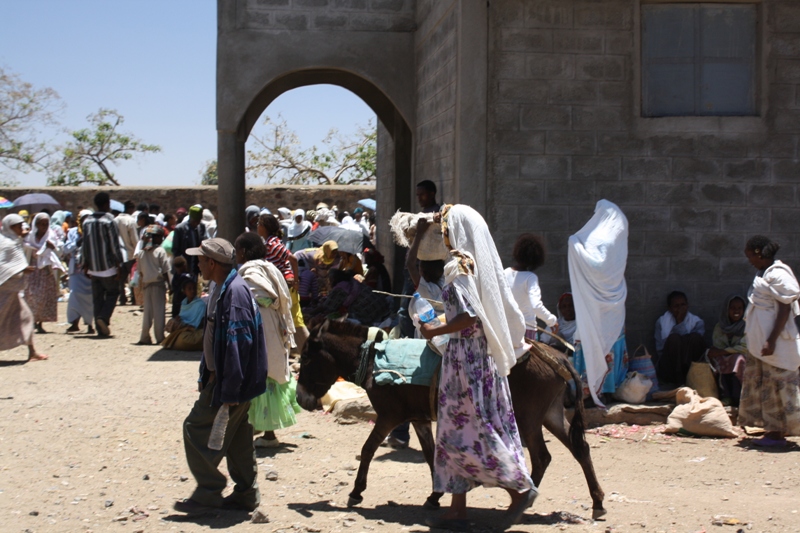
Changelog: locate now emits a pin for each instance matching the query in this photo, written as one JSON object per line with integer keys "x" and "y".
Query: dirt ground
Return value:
{"x": 91, "y": 441}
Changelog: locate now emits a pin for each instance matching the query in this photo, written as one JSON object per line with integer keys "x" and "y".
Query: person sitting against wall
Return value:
{"x": 728, "y": 355}
{"x": 679, "y": 340}
{"x": 185, "y": 331}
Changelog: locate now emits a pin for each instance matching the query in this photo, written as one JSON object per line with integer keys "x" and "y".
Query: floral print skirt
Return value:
{"x": 770, "y": 398}
{"x": 477, "y": 441}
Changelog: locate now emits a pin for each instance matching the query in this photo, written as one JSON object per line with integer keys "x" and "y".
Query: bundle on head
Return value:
{"x": 404, "y": 229}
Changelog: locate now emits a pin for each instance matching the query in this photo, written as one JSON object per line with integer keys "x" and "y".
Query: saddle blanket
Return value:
{"x": 405, "y": 361}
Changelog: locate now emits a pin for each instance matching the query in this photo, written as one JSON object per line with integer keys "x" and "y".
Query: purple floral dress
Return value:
{"x": 477, "y": 442}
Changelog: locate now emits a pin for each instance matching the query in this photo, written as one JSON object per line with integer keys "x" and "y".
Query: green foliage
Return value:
{"x": 277, "y": 157}
{"x": 86, "y": 158}
{"x": 24, "y": 109}
{"x": 208, "y": 176}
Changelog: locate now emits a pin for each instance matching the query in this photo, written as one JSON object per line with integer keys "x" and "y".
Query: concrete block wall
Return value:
{"x": 565, "y": 130}
{"x": 327, "y": 15}
{"x": 436, "y": 64}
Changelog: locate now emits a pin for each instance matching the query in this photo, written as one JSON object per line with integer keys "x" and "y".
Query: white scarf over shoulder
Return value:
{"x": 12, "y": 251}
{"x": 488, "y": 290}
{"x": 597, "y": 256}
{"x": 266, "y": 281}
{"x": 45, "y": 257}
{"x": 776, "y": 285}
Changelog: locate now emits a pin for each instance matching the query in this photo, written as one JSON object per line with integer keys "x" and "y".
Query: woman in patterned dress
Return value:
{"x": 477, "y": 441}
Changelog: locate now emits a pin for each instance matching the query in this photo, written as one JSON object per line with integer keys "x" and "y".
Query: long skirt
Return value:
{"x": 275, "y": 409}
{"x": 16, "y": 318}
{"x": 617, "y": 361}
{"x": 770, "y": 398}
{"x": 185, "y": 338}
{"x": 477, "y": 441}
{"x": 42, "y": 295}
{"x": 80, "y": 303}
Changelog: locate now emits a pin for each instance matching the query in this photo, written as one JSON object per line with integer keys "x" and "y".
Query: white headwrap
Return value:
{"x": 488, "y": 289}
{"x": 285, "y": 213}
{"x": 297, "y": 228}
{"x": 597, "y": 256}
{"x": 12, "y": 251}
{"x": 45, "y": 256}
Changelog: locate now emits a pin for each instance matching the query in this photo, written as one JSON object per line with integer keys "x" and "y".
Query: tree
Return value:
{"x": 95, "y": 148}
{"x": 208, "y": 176}
{"x": 24, "y": 110}
{"x": 277, "y": 157}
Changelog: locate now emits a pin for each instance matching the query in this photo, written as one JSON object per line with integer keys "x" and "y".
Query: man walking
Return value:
{"x": 233, "y": 371}
{"x": 101, "y": 255}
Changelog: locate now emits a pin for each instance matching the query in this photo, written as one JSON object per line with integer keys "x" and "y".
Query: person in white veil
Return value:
{"x": 16, "y": 318}
{"x": 597, "y": 256}
{"x": 43, "y": 288}
{"x": 297, "y": 233}
{"x": 487, "y": 332}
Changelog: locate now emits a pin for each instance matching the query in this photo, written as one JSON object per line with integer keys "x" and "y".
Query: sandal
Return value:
{"x": 515, "y": 512}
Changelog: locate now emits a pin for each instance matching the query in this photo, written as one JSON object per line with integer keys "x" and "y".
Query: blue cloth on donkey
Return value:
{"x": 405, "y": 361}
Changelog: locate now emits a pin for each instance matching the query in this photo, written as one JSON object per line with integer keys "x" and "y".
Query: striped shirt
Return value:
{"x": 101, "y": 252}
{"x": 278, "y": 255}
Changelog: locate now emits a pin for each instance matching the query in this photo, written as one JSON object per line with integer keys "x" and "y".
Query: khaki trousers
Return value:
{"x": 155, "y": 301}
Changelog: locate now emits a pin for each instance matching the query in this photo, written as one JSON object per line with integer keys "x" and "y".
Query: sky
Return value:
{"x": 153, "y": 61}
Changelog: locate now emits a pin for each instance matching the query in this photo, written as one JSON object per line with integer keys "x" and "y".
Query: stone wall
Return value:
{"x": 171, "y": 198}
{"x": 436, "y": 65}
{"x": 327, "y": 15}
{"x": 565, "y": 130}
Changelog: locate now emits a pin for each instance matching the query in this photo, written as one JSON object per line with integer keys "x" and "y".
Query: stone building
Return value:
{"x": 685, "y": 114}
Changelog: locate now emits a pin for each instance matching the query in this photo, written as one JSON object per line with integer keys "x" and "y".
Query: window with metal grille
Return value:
{"x": 699, "y": 59}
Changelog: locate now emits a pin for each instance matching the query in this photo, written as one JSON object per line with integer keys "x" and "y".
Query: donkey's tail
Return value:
{"x": 577, "y": 426}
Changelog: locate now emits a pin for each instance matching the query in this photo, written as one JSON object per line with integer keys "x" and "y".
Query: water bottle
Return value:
{"x": 218, "y": 429}
{"x": 424, "y": 313}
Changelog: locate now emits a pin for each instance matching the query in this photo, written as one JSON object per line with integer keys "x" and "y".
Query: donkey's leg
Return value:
{"x": 382, "y": 428}
{"x": 530, "y": 430}
{"x": 425, "y": 435}
{"x": 573, "y": 438}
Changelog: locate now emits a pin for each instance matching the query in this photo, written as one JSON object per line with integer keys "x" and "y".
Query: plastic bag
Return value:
{"x": 634, "y": 389}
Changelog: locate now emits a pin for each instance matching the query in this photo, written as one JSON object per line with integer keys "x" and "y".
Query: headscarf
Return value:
{"x": 285, "y": 213}
{"x": 44, "y": 256}
{"x": 488, "y": 291}
{"x": 324, "y": 254}
{"x": 311, "y": 215}
{"x": 566, "y": 328}
{"x": 58, "y": 218}
{"x": 297, "y": 229}
{"x": 182, "y": 212}
{"x": 12, "y": 251}
{"x": 735, "y": 329}
{"x": 250, "y": 212}
{"x": 207, "y": 216}
{"x": 349, "y": 223}
{"x": 83, "y": 213}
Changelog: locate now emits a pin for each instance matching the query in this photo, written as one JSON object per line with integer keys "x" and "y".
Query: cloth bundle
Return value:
{"x": 405, "y": 361}
{"x": 404, "y": 229}
{"x": 698, "y": 415}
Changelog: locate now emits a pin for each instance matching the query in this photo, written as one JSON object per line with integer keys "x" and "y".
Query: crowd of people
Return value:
{"x": 246, "y": 305}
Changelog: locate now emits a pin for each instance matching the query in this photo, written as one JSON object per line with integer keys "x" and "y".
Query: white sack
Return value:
{"x": 404, "y": 229}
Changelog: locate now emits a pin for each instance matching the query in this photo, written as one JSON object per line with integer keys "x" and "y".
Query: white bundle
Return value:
{"x": 404, "y": 229}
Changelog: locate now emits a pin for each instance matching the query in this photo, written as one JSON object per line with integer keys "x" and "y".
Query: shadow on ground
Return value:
{"x": 162, "y": 356}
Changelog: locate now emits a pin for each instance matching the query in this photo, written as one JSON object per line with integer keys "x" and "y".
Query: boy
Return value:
{"x": 154, "y": 269}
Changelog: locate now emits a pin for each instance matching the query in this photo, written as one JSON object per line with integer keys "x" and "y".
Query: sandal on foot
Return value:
{"x": 261, "y": 442}
{"x": 515, "y": 512}
{"x": 190, "y": 506}
{"x": 449, "y": 524}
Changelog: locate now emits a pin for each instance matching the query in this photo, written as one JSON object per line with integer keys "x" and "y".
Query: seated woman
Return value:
{"x": 679, "y": 340}
{"x": 377, "y": 277}
{"x": 185, "y": 330}
{"x": 349, "y": 297}
{"x": 728, "y": 355}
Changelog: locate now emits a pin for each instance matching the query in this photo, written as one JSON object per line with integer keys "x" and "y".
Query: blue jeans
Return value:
{"x": 401, "y": 432}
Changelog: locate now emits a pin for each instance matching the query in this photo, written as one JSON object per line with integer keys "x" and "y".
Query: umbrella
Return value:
{"x": 35, "y": 202}
{"x": 349, "y": 241}
{"x": 369, "y": 203}
{"x": 5, "y": 203}
{"x": 117, "y": 206}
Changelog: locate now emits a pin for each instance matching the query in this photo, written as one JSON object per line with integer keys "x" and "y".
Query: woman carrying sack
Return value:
{"x": 771, "y": 386}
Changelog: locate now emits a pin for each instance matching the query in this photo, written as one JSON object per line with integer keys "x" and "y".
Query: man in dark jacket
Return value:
{"x": 233, "y": 371}
{"x": 189, "y": 234}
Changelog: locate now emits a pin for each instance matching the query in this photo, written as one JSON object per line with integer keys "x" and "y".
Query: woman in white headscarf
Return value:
{"x": 16, "y": 319}
{"x": 297, "y": 233}
{"x": 43, "y": 291}
{"x": 80, "y": 303}
{"x": 477, "y": 441}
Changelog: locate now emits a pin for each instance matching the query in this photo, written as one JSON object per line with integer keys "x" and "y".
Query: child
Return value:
{"x": 179, "y": 268}
{"x": 729, "y": 352}
{"x": 185, "y": 330}
{"x": 153, "y": 265}
{"x": 529, "y": 254}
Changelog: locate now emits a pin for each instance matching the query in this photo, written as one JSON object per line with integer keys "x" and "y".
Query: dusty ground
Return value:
{"x": 96, "y": 431}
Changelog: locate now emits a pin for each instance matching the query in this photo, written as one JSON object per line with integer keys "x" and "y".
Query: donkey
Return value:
{"x": 538, "y": 392}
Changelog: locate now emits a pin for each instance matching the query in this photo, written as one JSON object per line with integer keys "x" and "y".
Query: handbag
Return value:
{"x": 701, "y": 378}
{"x": 643, "y": 364}
{"x": 634, "y": 389}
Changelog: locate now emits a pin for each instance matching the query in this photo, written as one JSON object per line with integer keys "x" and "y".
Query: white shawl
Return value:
{"x": 12, "y": 251}
{"x": 667, "y": 322}
{"x": 266, "y": 281}
{"x": 297, "y": 228}
{"x": 776, "y": 285}
{"x": 488, "y": 289}
{"x": 597, "y": 255}
{"x": 45, "y": 257}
